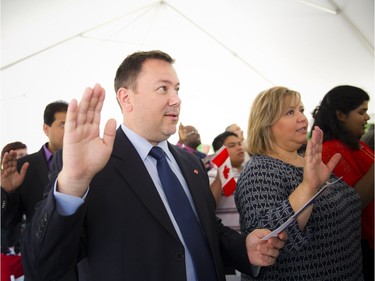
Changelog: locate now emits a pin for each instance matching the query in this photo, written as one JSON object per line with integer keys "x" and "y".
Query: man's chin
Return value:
{"x": 170, "y": 131}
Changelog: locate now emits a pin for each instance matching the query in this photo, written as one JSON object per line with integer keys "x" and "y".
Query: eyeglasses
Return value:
{"x": 192, "y": 133}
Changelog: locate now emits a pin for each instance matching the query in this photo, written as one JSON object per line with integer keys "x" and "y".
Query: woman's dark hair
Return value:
{"x": 12, "y": 146}
{"x": 342, "y": 99}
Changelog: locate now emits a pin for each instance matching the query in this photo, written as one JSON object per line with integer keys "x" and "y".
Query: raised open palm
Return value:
{"x": 85, "y": 153}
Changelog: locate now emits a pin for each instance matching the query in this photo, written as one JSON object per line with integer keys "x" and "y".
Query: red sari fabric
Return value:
{"x": 11, "y": 265}
{"x": 352, "y": 166}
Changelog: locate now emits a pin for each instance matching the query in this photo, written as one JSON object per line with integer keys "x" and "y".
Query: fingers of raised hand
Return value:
{"x": 96, "y": 105}
{"x": 89, "y": 107}
{"x": 9, "y": 161}
{"x": 100, "y": 93}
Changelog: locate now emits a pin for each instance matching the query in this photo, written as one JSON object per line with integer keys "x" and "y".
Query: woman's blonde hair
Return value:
{"x": 267, "y": 108}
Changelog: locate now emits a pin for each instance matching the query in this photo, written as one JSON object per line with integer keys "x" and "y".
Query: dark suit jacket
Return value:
{"x": 24, "y": 199}
{"x": 123, "y": 227}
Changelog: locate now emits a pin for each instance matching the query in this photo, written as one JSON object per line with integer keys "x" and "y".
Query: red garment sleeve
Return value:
{"x": 347, "y": 167}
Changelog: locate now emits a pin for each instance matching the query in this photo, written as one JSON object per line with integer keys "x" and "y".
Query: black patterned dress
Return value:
{"x": 329, "y": 246}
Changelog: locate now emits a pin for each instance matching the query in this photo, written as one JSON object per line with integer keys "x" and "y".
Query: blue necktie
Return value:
{"x": 185, "y": 218}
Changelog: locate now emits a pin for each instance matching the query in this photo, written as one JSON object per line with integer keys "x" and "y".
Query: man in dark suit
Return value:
{"x": 108, "y": 204}
{"x": 20, "y": 197}
{"x": 23, "y": 184}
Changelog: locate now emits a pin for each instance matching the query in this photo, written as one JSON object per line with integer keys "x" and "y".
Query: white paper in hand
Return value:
{"x": 282, "y": 227}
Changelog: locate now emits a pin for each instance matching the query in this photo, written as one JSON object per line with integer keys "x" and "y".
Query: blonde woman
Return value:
{"x": 324, "y": 240}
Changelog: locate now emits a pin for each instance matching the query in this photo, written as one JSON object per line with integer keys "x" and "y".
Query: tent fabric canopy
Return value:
{"x": 226, "y": 53}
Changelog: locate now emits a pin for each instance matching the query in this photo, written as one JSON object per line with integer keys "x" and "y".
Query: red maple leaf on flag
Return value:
{"x": 226, "y": 171}
{"x": 222, "y": 162}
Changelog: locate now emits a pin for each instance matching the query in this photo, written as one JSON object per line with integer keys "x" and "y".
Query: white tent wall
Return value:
{"x": 226, "y": 52}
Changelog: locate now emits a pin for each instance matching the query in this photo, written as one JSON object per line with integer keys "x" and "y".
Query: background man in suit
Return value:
{"x": 19, "y": 198}
{"x": 108, "y": 201}
{"x": 23, "y": 183}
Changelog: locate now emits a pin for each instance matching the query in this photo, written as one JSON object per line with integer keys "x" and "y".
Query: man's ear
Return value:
{"x": 46, "y": 129}
{"x": 124, "y": 99}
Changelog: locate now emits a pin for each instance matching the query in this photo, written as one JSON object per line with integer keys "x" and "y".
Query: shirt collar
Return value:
{"x": 48, "y": 154}
{"x": 142, "y": 146}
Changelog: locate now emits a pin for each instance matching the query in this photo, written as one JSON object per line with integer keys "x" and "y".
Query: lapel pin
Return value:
{"x": 196, "y": 172}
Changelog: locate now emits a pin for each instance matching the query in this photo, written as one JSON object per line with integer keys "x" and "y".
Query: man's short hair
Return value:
{"x": 219, "y": 140}
{"x": 128, "y": 71}
{"x": 53, "y": 108}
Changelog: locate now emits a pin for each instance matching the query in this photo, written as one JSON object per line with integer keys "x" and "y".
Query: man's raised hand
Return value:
{"x": 85, "y": 153}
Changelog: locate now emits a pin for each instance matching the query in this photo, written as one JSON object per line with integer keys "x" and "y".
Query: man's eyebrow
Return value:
{"x": 168, "y": 82}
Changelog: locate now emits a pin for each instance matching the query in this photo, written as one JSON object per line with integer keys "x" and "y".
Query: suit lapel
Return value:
{"x": 132, "y": 169}
{"x": 42, "y": 167}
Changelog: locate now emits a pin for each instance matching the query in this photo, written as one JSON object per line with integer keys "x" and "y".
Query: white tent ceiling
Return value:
{"x": 226, "y": 52}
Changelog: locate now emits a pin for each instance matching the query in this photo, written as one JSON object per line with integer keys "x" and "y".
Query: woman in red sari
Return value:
{"x": 342, "y": 115}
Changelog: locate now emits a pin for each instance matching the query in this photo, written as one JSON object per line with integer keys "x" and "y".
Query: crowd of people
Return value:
{"x": 126, "y": 205}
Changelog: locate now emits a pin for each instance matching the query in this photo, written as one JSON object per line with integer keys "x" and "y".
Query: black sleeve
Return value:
{"x": 233, "y": 249}
{"x": 53, "y": 244}
{"x": 11, "y": 213}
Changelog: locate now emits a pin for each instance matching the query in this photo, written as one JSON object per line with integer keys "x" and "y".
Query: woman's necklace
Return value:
{"x": 296, "y": 161}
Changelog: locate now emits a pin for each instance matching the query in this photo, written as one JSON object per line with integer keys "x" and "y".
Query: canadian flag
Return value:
{"x": 222, "y": 162}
